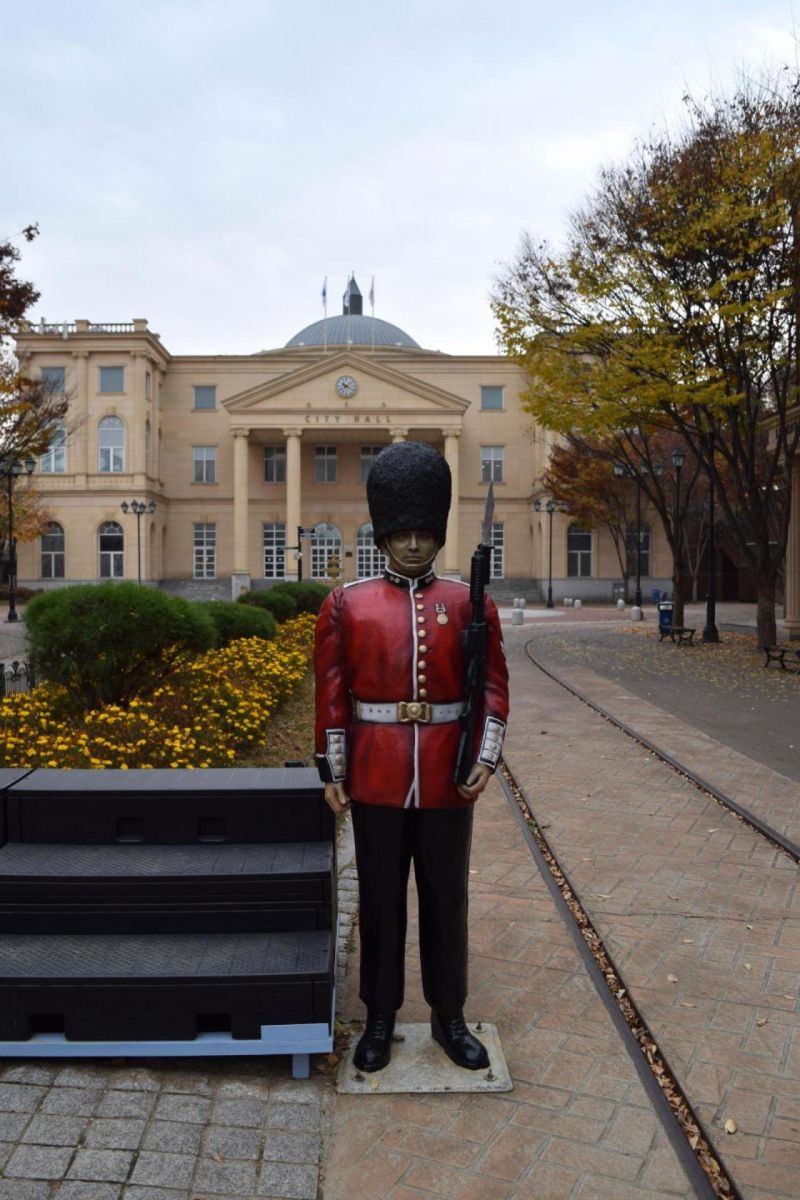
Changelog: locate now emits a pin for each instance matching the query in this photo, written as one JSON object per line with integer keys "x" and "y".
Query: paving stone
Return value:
{"x": 20, "y": 1097}
{"x": 194, "y": 1109}
{"x": 84, "y": 1190}
{"x": 49, "y": 1129}
{"x": 187, "y": 1082}
{"x": 83, "y": 1076}
{"x": 155, "y": 1193}
{"x": 22, "y": 1189}
{"x": 6, "y": 1149}
{"x": 38, "y": 1162}
{"x": 163, "y": 1170}
{"x": 12, "y": 1124}
{"x": 126, "y": 1104}
{"x": 177, "y": 1137}
{"x": 233, "y": 1178}
{"x": 115, "y": 1133}
{"x": 232, "y": 1143}
{"x": 294, "y": 1117}
{"x": 241, "y": 1110}
{"x": 71, "y": 1102}
{"x": 136, "y": 1079}
{"x": 285, "y": 1181}
{"x": 291, "y": 1147}
{"x": 105, "y": 1165}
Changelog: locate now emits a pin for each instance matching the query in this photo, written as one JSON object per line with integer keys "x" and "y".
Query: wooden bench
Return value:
{"x": 679, "y": 634}
{"x": 778, "y": 654}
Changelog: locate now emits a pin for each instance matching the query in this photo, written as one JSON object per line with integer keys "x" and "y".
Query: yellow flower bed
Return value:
{"x": 217, "y": 706}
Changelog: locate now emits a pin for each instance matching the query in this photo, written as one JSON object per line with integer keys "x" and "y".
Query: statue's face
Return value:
{"x": 410, "y": 551}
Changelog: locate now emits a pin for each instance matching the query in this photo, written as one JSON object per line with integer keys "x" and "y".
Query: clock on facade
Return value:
{"x": 346, "y": 386}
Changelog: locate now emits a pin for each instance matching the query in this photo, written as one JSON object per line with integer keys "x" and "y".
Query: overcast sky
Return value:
{"x": 206, "y": 164}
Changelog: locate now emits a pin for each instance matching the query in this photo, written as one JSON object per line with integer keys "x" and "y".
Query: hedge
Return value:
{"x": 233, "y": 621}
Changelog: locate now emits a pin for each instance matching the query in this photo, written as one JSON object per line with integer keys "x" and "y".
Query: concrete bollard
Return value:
{"x": 620, "y": 605}
{"x": 517, "y": 616}
{"x": 578, "y": 603}
{"x": 636, "y": 613}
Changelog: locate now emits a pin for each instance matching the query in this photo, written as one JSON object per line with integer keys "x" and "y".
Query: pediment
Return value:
{"x": 313, "y": 387}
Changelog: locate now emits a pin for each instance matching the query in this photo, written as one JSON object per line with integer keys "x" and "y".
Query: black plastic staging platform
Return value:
{"x": 166, "y": 912}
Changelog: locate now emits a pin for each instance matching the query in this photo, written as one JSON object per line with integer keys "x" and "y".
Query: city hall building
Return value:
{"x": 251, "y": 468}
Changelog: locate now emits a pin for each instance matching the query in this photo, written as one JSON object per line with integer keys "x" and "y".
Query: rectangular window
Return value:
{"x": 498, "y": 550}
{"x": 205, "y": 464}
{"x": 54, "y": 459}
{"x": 205, "y": 397}
{"x": 112, "y": 379}
{"x": 148, "y": 386}
{"x": 368, "y": 456}
{"x": 274, "y": 550}
{"x": 52, "y": 563}
{"x": 492, "y": 464}
{"x": 324, "y": 464}
{"x": 205, "y": 550}
{"x": 54, "y": 379}
{"x": 275, "y": 464}
{"x": 492, "y": 397}
{"x": 579, "y": 553}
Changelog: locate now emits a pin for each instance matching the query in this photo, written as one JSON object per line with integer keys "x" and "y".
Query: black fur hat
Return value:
{"x": 409, "y": 487}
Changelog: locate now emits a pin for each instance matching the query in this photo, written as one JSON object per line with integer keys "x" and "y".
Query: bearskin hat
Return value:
{"x": 409, "y": 487}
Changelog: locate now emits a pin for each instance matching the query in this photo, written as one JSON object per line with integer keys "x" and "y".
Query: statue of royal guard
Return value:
{"x": 411, "y": 709}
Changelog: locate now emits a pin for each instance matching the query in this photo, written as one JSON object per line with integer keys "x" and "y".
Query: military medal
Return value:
{"x": 441, "y": 614}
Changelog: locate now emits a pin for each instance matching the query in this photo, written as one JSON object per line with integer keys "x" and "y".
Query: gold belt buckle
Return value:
{"x": 413, "y": 710}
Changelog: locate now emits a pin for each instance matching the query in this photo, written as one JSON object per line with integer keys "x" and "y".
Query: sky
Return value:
{"x": 205, "y": 165}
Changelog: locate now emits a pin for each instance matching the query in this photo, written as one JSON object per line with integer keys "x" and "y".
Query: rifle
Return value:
{"x": 473, "y": 639}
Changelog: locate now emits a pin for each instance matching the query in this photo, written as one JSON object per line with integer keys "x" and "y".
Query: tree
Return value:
{"x": 29, "y": 410}
{"x": 675, "y": 305}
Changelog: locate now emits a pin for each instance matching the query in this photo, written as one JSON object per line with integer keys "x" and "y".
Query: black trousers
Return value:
{"x": 438, "y": 842}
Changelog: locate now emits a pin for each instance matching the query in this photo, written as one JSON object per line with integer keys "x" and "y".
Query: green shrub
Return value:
{"x": 308, "y": 596}
{"x": 274, "y": 601}
{"x": 106, "y": 643}
{"x": 232, "y": 621}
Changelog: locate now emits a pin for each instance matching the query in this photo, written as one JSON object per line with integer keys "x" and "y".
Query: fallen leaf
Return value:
{"x": 687, "y": 1004}
{"x": 694, "y": 1141}
{"x": 673, "y": 897}
{"x": 373, "y": 1083}
{"x": 218, "y": 1158}
{"x": 730, "y": 1125}
{"x": 748, "y": 926}
{"x": 604, "y": 895}
{"x": 688, "y": 941}
{"x": 714, "y": 830}
{"x": 761, "y": 1021}
{"x": 748, "y": 966}
{"x": 672, "y": 978}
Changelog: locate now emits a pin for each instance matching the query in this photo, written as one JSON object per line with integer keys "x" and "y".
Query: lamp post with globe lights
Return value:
{"x": 11, "y": 469}
{"x": 550, "y": 506}
{"x": 138, "y": 508}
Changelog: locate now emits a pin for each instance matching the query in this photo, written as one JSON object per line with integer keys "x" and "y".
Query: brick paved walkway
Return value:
{"x": 678, "y": 887}
{"x": 578, "y": 1123}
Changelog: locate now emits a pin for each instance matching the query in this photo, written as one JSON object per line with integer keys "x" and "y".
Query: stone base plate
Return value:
{"x": 420, "y": 1065}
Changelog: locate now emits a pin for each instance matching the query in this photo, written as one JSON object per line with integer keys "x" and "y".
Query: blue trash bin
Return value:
{"x": 665, "y": 616}
{"x": 656, "y": 595}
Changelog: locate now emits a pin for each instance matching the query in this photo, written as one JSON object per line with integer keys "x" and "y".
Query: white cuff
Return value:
{"x": 494, "y": 731}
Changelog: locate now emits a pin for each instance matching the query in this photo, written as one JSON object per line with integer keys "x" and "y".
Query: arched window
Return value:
{"x": 579, "y": 552}
{"x": 369, "y": 559}
{"x": 644, "y": 551}
{"x": 112, "y": 547}
{"x": 110, "y": 445}
{"x": 54, "y": 459}
{"x": 52, "y": 548}
{"x": 326, "y": 551}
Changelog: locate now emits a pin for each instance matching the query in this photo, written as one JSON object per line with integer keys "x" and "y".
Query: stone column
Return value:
{"x": 293, "y": 501}
{"x": 451, "y": 455}
{"x": 398, "y": 435}
{"x": 240, "y": 577}
{"x": 792, "y": 602}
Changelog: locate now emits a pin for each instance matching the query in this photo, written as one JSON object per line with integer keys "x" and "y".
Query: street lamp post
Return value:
{"x": 11, "y": 469}
{"x": 550, "y": 506}
{"x": 678, "y": 459}
{"x": 710, "y": 632}
{"x": 138, "y": 508}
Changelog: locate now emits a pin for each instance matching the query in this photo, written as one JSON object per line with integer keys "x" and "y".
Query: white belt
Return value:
{"x": 405, "y": 712}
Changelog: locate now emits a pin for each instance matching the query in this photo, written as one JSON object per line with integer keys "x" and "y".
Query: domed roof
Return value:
{"x": 352, "y": 329}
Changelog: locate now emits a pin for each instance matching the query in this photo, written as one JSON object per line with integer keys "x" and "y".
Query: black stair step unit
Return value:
{"x": 141, "y": 907}
{"x": 104, "y": 889}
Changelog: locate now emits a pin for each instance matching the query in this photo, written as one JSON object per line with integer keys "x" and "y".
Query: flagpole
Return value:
{"x": 372, "y": 311}
{"x": 325, "y": 315}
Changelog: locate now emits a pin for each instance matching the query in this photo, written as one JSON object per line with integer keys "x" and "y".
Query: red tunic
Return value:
{"x": 381, "y": 641}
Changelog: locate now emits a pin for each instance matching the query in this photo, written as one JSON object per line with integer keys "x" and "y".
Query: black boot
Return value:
{"x": 457, "y": 1042}
{"x": 374, "y": 1047}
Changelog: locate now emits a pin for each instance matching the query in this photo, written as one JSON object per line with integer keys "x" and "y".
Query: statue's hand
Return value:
{"x": 336, "y": 797}
{"x": 477, "y": 780}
